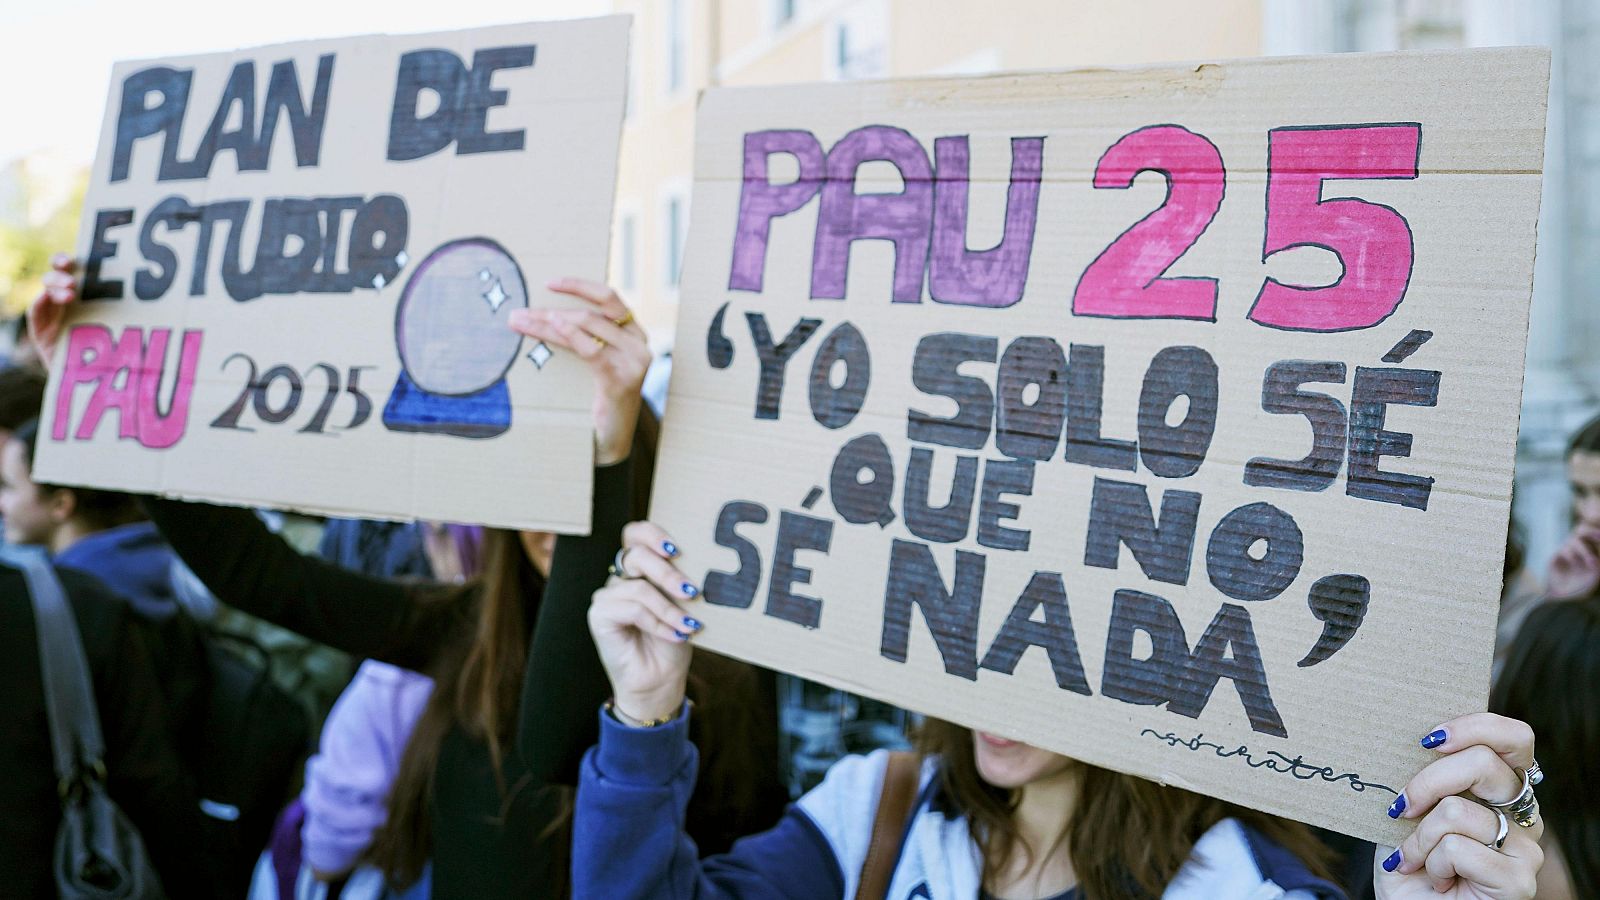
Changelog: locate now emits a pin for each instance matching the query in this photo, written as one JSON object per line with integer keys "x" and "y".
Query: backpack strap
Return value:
{"x": 894, "y": 810}
{"x": 74, "y": 720}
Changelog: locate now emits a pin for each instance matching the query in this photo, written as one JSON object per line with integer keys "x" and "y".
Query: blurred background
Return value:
{"x": 57, "y": 58}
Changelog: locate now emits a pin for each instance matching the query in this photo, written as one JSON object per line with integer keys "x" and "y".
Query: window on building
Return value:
{"x": 674, "y": 222}
{"x": 631, "y": 103}
{"x": 627, "y": 254}
{"x": 677, "y": 44}
{"x": 783, "y": 12}
{"x": 860, "y": 42}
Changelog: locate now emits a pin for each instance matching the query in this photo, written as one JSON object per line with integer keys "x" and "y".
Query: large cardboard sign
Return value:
{"x": 1160, "y": 417}
{"x": 300, "y": 260}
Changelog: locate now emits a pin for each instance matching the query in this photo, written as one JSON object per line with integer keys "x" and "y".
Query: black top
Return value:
{"x": 485, "y": 841}
{"x": 146, "y": 780}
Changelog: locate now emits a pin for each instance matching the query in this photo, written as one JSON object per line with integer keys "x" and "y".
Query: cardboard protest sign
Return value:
{"x": 299, "y": 261}
{"x": 1160, "y": 417}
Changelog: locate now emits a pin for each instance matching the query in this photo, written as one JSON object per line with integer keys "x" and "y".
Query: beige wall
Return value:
{"x": 735, "y": 42}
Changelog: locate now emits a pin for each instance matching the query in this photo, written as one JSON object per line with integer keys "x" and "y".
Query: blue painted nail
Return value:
{"x": 690, "y": 590}
{"x": 692, "y": 624}
{"x": 1398, "y": 807}
{"x": 1393, "y": 862}
{"x": 669, "y": 548}
{"x": 681, "y": 635}
{"x": 1434, "y": 739}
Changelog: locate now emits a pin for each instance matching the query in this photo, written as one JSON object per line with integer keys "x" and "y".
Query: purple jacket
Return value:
{"x": 347, "y": 783}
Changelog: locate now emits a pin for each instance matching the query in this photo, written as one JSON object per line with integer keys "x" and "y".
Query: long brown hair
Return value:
{"x": 1127, "y": 834}
{"x": 478, "y": 682}
{"x": 477, "y": 687}
{"x": 1552, "y": 681}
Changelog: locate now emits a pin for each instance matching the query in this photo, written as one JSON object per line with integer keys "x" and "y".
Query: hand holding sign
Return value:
{"x": 641, "y": 629}
{"x": 606, "y": 336}
{"x": 49, "y": 309}
{"x": 1453, "y": 851}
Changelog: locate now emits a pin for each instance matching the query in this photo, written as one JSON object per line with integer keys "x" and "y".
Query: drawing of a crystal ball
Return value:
{"x": 450, "y": 325}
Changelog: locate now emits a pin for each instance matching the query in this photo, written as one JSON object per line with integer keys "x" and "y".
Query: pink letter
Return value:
{"x": 87, "y": 347}
{"x": 1372, "y": 241}
{"x": 1126, "y": 280}
{"x": 158, "y": 431}
{"x": 122, "y": 361}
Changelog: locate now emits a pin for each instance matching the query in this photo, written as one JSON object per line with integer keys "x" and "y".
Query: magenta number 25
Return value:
{"x": 1373, "y": 242}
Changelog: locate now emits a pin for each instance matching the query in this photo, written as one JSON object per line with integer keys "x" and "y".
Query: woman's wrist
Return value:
{"x": 613, "y": 440}
{"x": 645, "y": 712}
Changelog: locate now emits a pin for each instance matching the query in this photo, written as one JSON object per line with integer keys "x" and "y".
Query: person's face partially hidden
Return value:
{"x": 540, "y": 547}
{"x": 1583, "y": 473}
{"x": 28, "y": 511}
{"x": 1013, "y": 764}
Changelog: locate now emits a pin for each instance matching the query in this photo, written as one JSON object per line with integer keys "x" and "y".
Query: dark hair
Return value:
{"x": 21, "y": 395}
{"x": 1585, "y": 439}
{"x": 1551, "y": 680}
{"x": 478, "y": 685}
{"x": 97, "y": 510}
{"x": 1516, "y": 548}
{"x": 1128, "y": 835}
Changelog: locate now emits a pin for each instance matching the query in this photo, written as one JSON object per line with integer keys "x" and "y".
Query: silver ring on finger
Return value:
{"x": 1524, "y": 807}
{"x": 1505, "y": 830}
{"x": 1535, "y": 774}
{"x": 618, "y": 564}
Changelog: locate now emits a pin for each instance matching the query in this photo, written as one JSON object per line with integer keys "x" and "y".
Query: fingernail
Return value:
{"x": 681, "y": 635}
{"x": 555, "y": 284}
{"x": 669, "y": 548}
{"x": 1398, "y": 807}
{"x": 1434, "y": 739}
{"x": 692, "y": 624}
{"x": 1393, "y": 862}
{"x": 690, "y": 590}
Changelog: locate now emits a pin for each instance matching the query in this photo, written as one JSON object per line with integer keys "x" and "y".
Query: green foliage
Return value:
{"x": 25, "y": 249}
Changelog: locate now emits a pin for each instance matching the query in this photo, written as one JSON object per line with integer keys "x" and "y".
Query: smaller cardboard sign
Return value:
{"x": 299, "y": 262}
{"x": 1164, "y": 418}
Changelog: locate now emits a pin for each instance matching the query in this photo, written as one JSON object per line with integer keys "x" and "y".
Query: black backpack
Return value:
{"x": 252, "y": 739}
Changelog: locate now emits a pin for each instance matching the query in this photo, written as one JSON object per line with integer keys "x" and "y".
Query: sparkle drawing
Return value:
{"x": 455, "y": 347}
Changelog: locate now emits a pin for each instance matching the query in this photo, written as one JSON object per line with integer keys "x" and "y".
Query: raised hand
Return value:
{"x": 605, "y": 336}
{"x": 49, "y": 310}
{"x": 1575, "y": 570}
{"x": 641, "y": 628}
{"x": 1452, "y": 853}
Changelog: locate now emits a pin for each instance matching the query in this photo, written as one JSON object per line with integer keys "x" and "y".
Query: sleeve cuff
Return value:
{"x": 613, "y": 481}
{"x": 643, "y": 755}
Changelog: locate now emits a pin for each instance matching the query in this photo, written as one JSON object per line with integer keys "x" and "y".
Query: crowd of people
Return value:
{"x": 525, "y": 715}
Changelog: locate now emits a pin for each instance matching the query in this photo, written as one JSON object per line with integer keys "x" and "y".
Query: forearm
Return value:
{"x": 629, "y": 839}
{"x": 564, "y": 681}
{"x": 248, "y": 567}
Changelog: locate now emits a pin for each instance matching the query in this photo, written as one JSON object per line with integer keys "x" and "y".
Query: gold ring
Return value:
{"x": 626, "y": 318}
{"x": 598, "y": 340}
